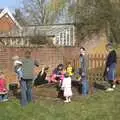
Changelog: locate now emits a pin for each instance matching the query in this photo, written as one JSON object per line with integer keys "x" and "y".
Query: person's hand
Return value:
{"x": 58, "y": 75}
{"x": 83, "y": 74}
{"x": 107, "y": 69}
{"x": 62, "y": 88}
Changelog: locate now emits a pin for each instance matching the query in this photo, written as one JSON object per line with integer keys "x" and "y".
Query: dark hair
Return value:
{"x": 83, "y": 48}
{"x": 109, "y": 45}
{"x": 46, "y": 68}
{"x": 69, "y": 63}
{"x": 66, "y": 75}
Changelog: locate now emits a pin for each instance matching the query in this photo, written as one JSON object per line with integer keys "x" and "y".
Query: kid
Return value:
{"x": 66, "y": 87}
{"x": 3, "y": 89}
{"x": 69, "y": 69}
{"x": 42, "y": 77}
{"x": 19, "y": 70}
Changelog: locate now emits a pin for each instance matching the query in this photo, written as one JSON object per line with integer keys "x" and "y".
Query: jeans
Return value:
{"x": 111, "y": 74}
{"x": 3, "y": 97}
{"x": 85, "y": 86}
{"x": 26, "y": 91}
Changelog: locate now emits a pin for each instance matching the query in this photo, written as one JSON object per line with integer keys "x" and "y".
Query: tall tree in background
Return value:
{"x": 91, "y": 16}
{"x": 42, "y": 12}
{"x": 20, "y": 17}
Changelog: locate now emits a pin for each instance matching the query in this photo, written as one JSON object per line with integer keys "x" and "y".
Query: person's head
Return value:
{"x": 66, "y": 75}
{"x": 18, "y": 63}
{"x": 46, "y": 69}
{"x": 82, "y": 51}
{"x": 60, "y": 67}
{"x": 109, "y": 47}
{"x": 28, "y": 53}
{"x": 69, "y": 64}
{"x": 2, "y": 75}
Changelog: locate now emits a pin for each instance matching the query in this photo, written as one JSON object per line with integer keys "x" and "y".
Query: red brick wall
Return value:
{"x": 6, "y": 24}
{"x": 46, "y": 56}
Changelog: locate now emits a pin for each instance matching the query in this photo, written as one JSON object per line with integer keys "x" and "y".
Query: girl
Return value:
{"x": 66, "y": 87}
{"x": 57, "y": 74}
{"x": 3, "y": 89}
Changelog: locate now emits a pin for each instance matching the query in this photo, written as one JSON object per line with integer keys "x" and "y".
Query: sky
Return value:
{"x": 10, "y": 4}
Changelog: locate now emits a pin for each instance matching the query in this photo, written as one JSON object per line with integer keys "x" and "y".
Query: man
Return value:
{"x": 110, "y": 70}
{"x": 83, "y": 70}
{"x": 26, "y": 81}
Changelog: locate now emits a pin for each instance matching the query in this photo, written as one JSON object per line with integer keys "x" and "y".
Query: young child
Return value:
{"x": 69, "y": 69}
{"x": 57, "y": 74}
{"x": 3, "y": 89}
{"x": 19, "y": 70}
{"x": 66, "y": 87}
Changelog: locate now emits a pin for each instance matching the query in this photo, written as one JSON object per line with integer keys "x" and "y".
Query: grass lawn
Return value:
{"x": 101, "y": 106}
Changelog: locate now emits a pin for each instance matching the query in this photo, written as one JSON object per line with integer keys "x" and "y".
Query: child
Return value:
{"x": 3, "y": 89}
{"x": 69, "y": 69}
{"x": 42, "y": 77}
{"x": 66, "y": 87}
{"x": 19, "y": 70}
{"x": 57, "y": 74}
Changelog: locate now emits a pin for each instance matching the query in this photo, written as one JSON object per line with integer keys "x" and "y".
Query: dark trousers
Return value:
{"x": 26, "y": 91}
{"x": 111, "y": 83}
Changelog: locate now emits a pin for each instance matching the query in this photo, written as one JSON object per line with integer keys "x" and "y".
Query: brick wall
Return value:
{"x": 6, "y": 24}
{"x": 46, "y": 56}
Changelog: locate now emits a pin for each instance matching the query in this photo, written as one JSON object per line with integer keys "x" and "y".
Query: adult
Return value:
{"x": 83, "y": 70}
{"x": 26, "y": 81}
{"x": 110, "y": 69}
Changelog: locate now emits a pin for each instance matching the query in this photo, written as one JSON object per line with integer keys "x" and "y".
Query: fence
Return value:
{"x": 96, "y": 68}
{"x": 54, "y": 56}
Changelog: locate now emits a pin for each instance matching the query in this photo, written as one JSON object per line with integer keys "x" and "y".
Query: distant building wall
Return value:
{"x": 6, "y": 23}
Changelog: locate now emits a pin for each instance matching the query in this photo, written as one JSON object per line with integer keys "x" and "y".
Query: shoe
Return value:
{"x": 114, "y": 86}
{"x": 4, "y": 100}
{"x": 69, "y": 100}
{"x": 110, "y": 89}
{"x": 66, "y": 101}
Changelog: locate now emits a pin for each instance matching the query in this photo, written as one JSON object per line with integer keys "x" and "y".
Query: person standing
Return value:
{"x": 83, "y": 70}
{"x": 110, "y": 70}
{"x": 66, "y": 87}
{"x": 27, "y": 78}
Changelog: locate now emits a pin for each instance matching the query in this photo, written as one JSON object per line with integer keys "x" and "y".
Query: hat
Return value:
{"x": 17, "y": 62}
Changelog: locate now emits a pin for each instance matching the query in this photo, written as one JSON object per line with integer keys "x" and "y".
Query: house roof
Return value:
{"x": 47, "y": 30}
{"x": 6, "y": 11}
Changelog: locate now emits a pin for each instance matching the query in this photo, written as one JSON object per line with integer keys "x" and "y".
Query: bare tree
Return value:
{"x": 42, "y": 12}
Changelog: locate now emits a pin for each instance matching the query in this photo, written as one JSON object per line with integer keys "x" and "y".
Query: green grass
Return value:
{"x": 101, "y": 106}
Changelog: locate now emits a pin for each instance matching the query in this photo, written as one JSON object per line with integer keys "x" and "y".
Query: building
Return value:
{"x": 7, "y": 21}
{"x": 61, "y": 34}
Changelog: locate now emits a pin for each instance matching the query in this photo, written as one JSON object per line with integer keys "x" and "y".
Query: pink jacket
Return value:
{"x": 3, "y": 85}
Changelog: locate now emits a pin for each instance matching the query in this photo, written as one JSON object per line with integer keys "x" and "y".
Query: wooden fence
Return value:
{"x": 96, "y": 68}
